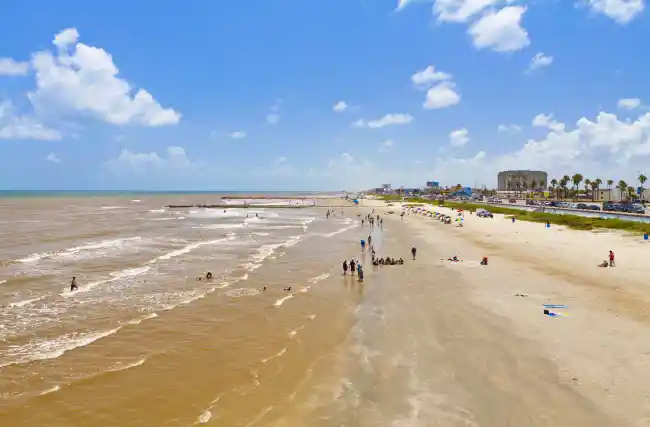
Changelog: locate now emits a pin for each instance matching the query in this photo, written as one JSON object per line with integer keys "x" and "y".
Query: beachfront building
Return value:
{"x": 521, "y": 180}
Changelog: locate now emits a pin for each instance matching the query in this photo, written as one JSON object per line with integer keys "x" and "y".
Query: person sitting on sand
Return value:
{"x": 604, "y": 264}
{"x": 208, "y": 275}
{"x": 401, "y": 261}
{"x": 375, "y": 262}
{"x": 484, "y": 261}
{"x": 453, "y": 259}
{"x": 73, "y": 284}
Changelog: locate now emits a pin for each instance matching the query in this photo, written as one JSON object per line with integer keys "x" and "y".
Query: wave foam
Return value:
{"x": 190, "y": 248}
{"x": 281, "y": 301}
{"x": 52, "y": 348}
{"x": 102, "y": 244}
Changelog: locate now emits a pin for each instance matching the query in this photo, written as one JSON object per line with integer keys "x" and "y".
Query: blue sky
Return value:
{"x": 280, "y": 94}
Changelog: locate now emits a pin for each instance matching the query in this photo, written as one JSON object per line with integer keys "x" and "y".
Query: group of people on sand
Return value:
{"x": 371, "y": 218}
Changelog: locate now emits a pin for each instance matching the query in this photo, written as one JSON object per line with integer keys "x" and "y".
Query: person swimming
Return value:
{"x": 288, "y": 288}
{"x": 73, "y": 284}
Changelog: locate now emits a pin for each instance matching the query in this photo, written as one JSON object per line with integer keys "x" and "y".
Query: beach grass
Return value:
{"x": 572, "y": 221}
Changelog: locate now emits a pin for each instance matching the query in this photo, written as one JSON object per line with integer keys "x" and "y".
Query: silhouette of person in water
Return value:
{"x": 73, "y": 284}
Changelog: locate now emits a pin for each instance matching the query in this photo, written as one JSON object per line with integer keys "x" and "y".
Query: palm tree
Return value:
{"x": 594, "y": 188}
{"x": 622, "y": 185}
{"x": 598, "y": 183}
{"x": 563, "y": 184}
{"x": 553, "y": 185}
{"x": 610, "y": 182}
{"x": 642, "y": 179}
{"x": 587, "y": 185}
{"x": 576, "y": 179}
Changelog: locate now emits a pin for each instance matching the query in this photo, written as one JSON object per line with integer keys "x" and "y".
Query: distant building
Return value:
{"x": 521, "y": 180}
{"x": 385, "y": 186}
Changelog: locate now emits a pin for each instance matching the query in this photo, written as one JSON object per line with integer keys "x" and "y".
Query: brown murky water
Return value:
{"x": 142, "y": 342}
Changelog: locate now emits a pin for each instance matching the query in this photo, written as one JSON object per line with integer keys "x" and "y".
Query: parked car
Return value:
{"x": 610, "y": 206}
{"x": 482, "y": 213}
{"x": 633, "y": 208}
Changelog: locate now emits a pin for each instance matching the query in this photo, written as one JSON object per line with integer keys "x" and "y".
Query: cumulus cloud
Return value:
{"x": 53, "y": 158}
{"x": 501, "y": 30}
{"x": 543, "y": 120}
{"x": 18, "y": 127}
{"x": 459, "y": 138}
{"x": 440, "y": 88}
{"x": 340, "y": 107}
{"x": 629, "y": 103}
{"x": 11, "y": 67}
{"x": 621, "y": 11}
{"x": 387, "y": 120}
{"x": 82, "y": 79}
{"x": 509, "y": 129}
{"x": 540, "y": 61}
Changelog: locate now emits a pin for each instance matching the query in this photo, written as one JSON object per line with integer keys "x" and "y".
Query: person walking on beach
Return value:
{"x": 360, "y": 273}
{"x": 369, "y": 240}
{"x": 413, "y": 250}
{"x": 611, "y": 259}
{"x": 353, "y": 267}
{"x": 73, "y": 284}
{"x": 345, "y": 267}
{"x": 363, "y": 245}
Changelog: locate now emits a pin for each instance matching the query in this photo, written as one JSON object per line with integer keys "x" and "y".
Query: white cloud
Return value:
{"x": 461, "y": 10}
{"x": 543, "y": 120}
{"x": 53, "y": 158}
{"x": 66, "y": 38}
{"x": 82, "y": 79}
{"x": 10, "y": 67}
{"x": 237, "y": 135}
{"x": 540, "y": 61}
{"x": 429, "y": 76}
{"x": 340, "y": 107}
{"x": 500, "y": 31}
{"x": 281, "y": 159}
{"x": 387, "y": 120}
{"x": 459, "y": 138}
{"x": 509, "y": 129}
{"x": 441, "y": 91}
{"x": 441, "y": 95}
{"x": 23, "y": 127}
{"x": 621, "y": 11}
{"x": 629, "y": 103}
{"x": 146, "y": 163}
{"x": 386, "y": 146}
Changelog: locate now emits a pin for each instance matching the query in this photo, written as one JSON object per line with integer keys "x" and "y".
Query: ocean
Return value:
{"x": 143, "y": 342}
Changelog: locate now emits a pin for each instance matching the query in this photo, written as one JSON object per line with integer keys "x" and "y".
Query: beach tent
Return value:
{"x": 356, "y": 202}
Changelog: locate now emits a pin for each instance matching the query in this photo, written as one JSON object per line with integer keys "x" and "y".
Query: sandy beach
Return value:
{"x": 513, "y": 364}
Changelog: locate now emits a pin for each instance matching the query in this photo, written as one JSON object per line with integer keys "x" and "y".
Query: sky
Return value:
{"x": 320, "y": 94}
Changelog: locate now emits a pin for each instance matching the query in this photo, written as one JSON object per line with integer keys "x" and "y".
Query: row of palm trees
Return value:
{"x": 571, "y": 185}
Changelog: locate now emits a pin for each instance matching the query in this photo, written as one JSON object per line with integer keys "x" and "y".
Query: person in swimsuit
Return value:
{"x": 73, "y": 284}
{"x": 345, "y": 267}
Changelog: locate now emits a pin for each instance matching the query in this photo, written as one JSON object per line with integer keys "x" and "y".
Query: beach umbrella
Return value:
{"x": 356, "y": 202}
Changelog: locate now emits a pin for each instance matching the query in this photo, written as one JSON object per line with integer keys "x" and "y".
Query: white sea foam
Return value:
{"x": 135, "y": 201}
{"x": 123, "y": 367}
{"x": 51, "y": 390}
{"x": 109, "y": 208}
{"x": 278, "y": 354}
{"x": 162, "y": 210}
{"x": 191, "y": 247}
{"x": 319, "y": 278}
{"x": 52, "y": 348}
{"x": 115, "y": 276}
{"x": 23, "y": 302}
{"x": 2, "y": 281}
{"x": 342, "y": 230}
{"x": 103, "y": 244}
{"x": 205, "y": 417}
{"x": 221, "y": 226}
{"x": 142, "y": 319}
{"x": 281, "y": 301}
{"x": 243, "y": 292}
